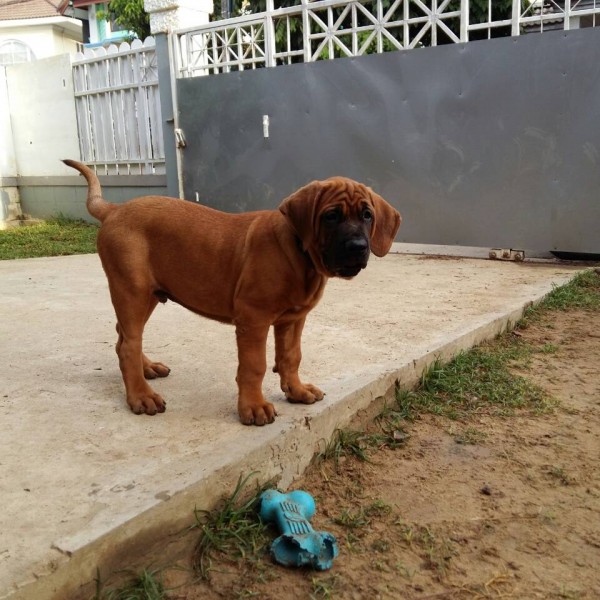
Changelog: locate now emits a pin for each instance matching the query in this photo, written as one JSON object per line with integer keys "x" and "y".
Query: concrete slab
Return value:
{"x": 85, "y": 484}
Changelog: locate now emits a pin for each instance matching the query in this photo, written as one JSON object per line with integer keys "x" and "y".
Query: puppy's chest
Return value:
{"x": 299, "y": 307}
{"x": 294, "y": 313}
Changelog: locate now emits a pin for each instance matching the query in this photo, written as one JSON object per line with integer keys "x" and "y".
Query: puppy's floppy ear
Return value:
{"x": 387, "y": 223}
{"x": 300, "y": 209}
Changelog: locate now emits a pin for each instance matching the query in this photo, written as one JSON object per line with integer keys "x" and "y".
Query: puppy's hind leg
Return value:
{"x": 133, "y": 308}
{"x": 152, "y": 369}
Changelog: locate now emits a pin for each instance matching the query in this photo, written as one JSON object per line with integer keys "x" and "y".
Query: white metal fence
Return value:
{"x": 315, "y": 30}
{"x": 118, "y": 109}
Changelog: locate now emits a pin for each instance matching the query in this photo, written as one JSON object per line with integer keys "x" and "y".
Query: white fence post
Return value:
{"x": 269, "y": 33}
{"x": 464, "y": 20}
{"x": 516, "y": 17}
{"x": 567, "y": 23}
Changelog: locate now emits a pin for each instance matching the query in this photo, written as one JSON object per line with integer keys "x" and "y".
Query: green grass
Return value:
{"x": 481, "y": 380}
{"x": 469, "y": 435}
{"x": 55, "y": 237}
{"x": 363, "y": 515}
{"x": 476, "y": 381}
{"x": 324, "y": 587}
{"x": 581, "y": 293}
{"x": 232, "y": 532}
{"x": 146, "y": 586}
{"x": 360, "y": 444}
{"x": 349, "y": 442}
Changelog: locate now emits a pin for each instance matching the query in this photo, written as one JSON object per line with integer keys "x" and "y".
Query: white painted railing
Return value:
{"x": 118, "y": 109}
{"x": 326, "y": 29}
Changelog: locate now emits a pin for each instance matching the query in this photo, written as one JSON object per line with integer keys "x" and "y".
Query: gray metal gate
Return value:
{"x": 493, "y": 143}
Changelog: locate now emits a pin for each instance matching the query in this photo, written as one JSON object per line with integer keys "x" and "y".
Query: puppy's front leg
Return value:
{"x": 252, "y": 356}
{"x": 288, "y": 354}
{"x": 140, "y": 396}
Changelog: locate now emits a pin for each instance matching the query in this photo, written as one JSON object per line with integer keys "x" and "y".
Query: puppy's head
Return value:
{"x": 340, "y": 222}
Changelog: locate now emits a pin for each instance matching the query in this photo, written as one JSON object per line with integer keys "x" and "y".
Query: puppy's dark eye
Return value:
{"x": 367, "y": 214}
{"x": 332, "y": 216}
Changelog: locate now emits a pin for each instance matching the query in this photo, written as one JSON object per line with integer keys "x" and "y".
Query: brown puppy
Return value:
{"x": 253, "y": 270}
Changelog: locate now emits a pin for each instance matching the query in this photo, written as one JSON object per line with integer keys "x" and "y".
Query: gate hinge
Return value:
{"x": 503, "y": 254}
{"x": 180, "y": 138}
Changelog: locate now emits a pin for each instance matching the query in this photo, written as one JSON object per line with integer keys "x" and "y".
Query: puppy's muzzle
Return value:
{"x": 357, "y": 247}
{"x": 353, "y": 257}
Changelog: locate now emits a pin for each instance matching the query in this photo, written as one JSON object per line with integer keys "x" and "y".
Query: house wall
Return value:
{"x": 9, "y": 194}
{"x": 46, "y": 37}
{"x": 8, "y": 165}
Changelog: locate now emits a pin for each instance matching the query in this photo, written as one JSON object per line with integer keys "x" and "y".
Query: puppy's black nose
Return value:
{"x": 356, "y": 245}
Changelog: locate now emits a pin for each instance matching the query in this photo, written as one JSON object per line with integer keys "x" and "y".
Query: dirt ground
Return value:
{"x": 492, "y": 507}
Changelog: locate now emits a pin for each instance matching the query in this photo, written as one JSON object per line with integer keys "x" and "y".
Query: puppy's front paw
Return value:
{"x": 148, "y": 402}
{"x": 305, "y": 393}
{"x": 256, "y": 413}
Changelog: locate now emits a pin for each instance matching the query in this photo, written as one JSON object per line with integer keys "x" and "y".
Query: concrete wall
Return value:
{"x": 43, "y": 117}
{"x": 45, "y": 197}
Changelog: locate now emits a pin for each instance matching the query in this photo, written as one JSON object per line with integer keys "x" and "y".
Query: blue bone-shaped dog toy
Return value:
{"x": 299, "y": 544}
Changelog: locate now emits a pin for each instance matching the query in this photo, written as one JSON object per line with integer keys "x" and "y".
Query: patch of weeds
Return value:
{"x": 347, "y": 442}
{"x": 354, "y": 519}
{"x": 582, "y": 292}
{"x": 55, "y": 237}
{"x": 559, "y": 474}
{"x": 380, "y": 546}
{"x": 353, "y": 543}
{"x": 404, "y": 571}
{"x": 475, "y": 381}
{"x": 146, "y": 586}
{"x": 407, "y": 533}
{"x": 232, "y": 532}
{"x": 242, "y": 595}
{"x": 379, "y": 565}
{"x": 436, "y": 551}
{"x": 391, "y": 421}
{"x": 323, "y": 587}
{"x": 566, "y": 593}
{"x": 470, "y": 436}
{"x": 353, "y": 489}
{"x": 548, "y": 517}
{"x": 378, "y": 509}
{"x": 548, "y": 349}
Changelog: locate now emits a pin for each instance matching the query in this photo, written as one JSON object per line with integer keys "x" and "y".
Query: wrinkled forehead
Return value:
{"x": 340, "y": 190}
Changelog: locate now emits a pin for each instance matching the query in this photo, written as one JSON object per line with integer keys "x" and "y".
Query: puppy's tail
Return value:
{"x": 96, "y": 205}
